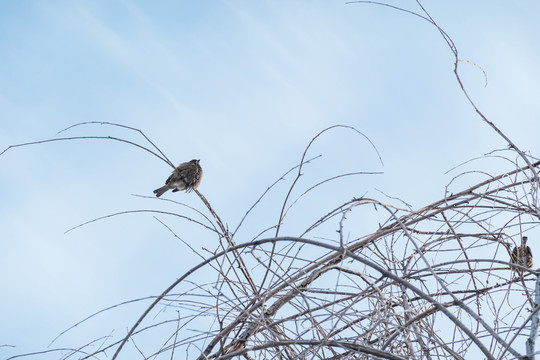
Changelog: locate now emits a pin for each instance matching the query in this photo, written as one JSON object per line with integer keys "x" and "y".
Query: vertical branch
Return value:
{"x": 225, "y": 232}
{"x": 531, "y": 341}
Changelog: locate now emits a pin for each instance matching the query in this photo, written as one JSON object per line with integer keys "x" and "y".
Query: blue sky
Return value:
{"x": 243, "y": 86}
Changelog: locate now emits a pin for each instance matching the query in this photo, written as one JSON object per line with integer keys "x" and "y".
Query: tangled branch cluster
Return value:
{"x": 431, "y": 283}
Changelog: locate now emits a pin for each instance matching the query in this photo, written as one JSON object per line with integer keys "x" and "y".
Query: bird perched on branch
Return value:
{"x": 522, "y": 255}
{"x": 187, "y": 176}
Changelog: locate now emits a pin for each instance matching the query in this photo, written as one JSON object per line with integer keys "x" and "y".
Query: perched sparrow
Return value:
{"x": 522, "y": 255}
{"x": 187, "y": 176}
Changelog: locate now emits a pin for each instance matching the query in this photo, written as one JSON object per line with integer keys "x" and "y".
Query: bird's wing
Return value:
{"x": 514, "y": 255}
{"x": 187, "y": 172}
{"x": 169, "y": 179}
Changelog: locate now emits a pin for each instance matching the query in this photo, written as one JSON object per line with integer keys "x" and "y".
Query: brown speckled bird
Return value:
{"x": 187, "y": 176}
{"x": 522, "y": 255}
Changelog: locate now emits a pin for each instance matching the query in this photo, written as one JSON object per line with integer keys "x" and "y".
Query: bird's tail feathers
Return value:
{"x": 161, "y": 190}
